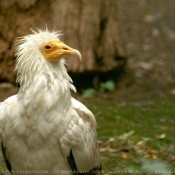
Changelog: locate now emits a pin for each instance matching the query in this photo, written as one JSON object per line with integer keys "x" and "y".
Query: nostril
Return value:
{"x": 65, "y": 48}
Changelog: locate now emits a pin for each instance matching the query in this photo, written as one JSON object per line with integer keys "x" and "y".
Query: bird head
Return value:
{"x": 42, "y": 46}
{"x": 41, "y": 54}
{"x": 54, "y": 50}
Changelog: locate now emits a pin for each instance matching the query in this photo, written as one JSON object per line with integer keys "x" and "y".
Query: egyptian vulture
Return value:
{"x": 43, "y": 129}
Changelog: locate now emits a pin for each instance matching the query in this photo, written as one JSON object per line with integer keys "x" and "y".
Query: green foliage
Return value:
{"x": 135, "y": 135}
{"x": 3, "y": 169}
{"x": 88, "y": 93}
{"x": 106, "y": 86}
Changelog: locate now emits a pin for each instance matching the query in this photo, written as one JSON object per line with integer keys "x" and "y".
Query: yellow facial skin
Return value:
{"x": 55, "y": 50}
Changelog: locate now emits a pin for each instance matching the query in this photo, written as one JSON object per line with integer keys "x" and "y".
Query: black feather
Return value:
{"x": 8, "y": 165}
{"x": 72, "y": 164}
{"x": 75, "y": 171}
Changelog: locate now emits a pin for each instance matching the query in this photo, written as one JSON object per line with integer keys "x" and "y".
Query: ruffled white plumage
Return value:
{"x": 42, "y": 123}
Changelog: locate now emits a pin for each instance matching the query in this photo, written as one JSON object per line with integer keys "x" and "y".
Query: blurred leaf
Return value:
{"x": 125, "y": 136}
{"x": 151, "y": 153}
{"x": 156, "y": 166}
{"x": 172, "y": 91}
{"x": 142, "y": 142}
{"x": 162, "y": 136}
{"x": 88, "y": 93}
{"x": 111, "y": 139}
{"x": 107, "y": 149}
{"x": 125, "y": 155}
{"x": 108, "y": 85}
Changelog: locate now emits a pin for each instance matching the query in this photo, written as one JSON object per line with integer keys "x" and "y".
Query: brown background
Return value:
{"x": 133, "y": 41}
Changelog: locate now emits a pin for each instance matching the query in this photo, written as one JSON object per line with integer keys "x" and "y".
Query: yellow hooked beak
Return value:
{"x": 55, "y": 50}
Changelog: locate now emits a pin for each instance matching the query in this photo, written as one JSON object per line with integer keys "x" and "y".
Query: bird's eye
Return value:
{"x": 47, "y": 47}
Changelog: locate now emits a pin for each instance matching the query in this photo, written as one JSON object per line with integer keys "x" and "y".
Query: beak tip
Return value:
{"x": 77, "y": 53}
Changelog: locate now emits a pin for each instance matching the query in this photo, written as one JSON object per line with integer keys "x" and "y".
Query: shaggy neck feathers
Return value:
{"x": 36, "y": 76}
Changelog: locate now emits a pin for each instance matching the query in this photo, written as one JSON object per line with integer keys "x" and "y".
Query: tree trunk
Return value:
{"x": 89, "y": 26}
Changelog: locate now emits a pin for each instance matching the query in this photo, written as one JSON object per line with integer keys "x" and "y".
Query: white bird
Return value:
{"x": 42, "y": 128}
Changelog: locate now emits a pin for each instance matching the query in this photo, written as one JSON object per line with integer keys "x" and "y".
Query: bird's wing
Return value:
{"x": 79, "y": 143}
{"x": 5, "y": 112}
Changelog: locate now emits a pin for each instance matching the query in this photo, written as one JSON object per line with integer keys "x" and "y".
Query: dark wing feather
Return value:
{"x": 8, "y": 165}
{"x": 75, "y": 171}
{"x": 72, "y": 164}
